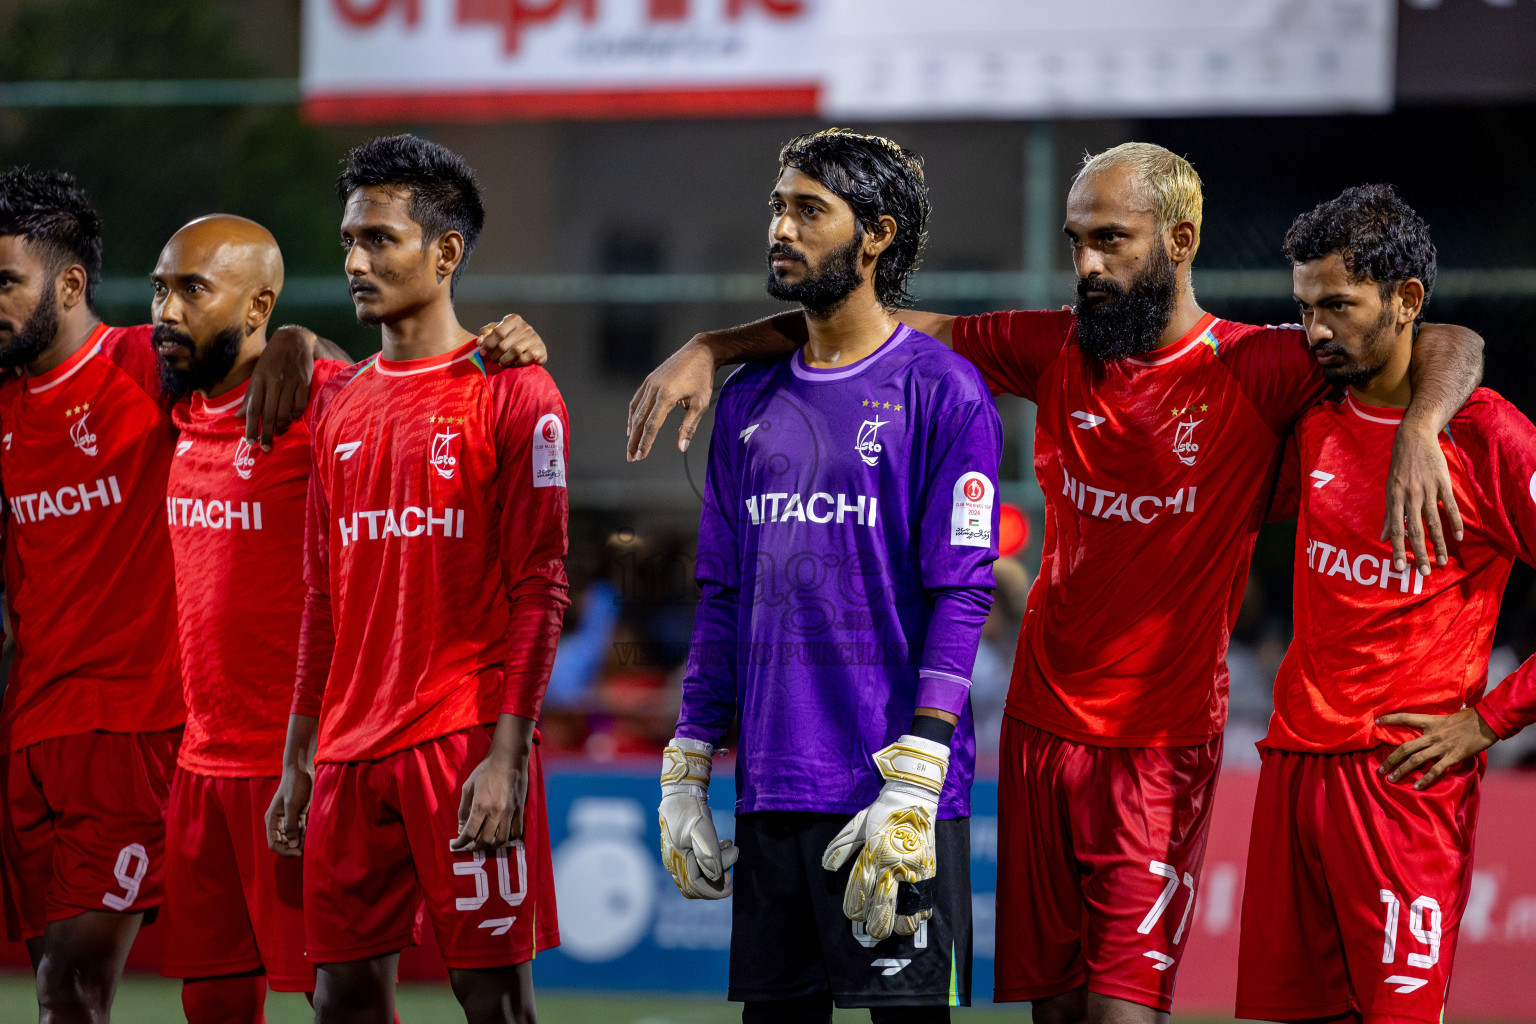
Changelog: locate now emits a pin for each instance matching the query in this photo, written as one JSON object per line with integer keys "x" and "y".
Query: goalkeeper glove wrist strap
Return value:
{"x": 685, "y": 766}
{"x": 914, "y": 765}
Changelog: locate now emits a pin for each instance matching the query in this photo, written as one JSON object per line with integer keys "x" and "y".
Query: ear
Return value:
{"x": 1182, "y": 240}
{"x": 450, "y": 253}
{"x": 71, "y": 285}
{"x": 879, "y": 236}
{"x": 1410, "y": 297}
{"x": 259, "y": 311}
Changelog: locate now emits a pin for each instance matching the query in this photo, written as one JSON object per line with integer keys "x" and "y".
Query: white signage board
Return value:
{"x": 919, "y": 59}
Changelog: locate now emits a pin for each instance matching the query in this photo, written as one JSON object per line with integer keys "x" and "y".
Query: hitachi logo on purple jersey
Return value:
{"x": 66, "y": 501}
{"x": 820, "y": 507}
{"x": 410, "y": 522}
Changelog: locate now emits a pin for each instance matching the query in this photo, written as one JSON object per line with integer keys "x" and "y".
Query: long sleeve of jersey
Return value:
{"x": 317, "y": 628}
{"x": 709, "y": 679}
{"x": 535, "y": 508}
{"x": 1499, "y": 452}
{"x": 958, "y": 546}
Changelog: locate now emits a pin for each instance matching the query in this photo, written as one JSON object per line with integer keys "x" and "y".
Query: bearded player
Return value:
{"x": 1356, "y": 878}
{"x": 93, "y": 711}
{"x": 848, "y": 528}
{"x": 1158, "y": 432}
{"x": 434, "y": 558}
{"x": 233, "y": 910}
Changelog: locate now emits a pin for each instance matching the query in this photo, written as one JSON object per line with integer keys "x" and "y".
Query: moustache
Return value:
{"x": 165, "y": 334}
{"x": 1114, "y": 289}
{"x": 1328, "y": 348}
{"x": 783, "y": 249}
{"x": 6, "y": 327}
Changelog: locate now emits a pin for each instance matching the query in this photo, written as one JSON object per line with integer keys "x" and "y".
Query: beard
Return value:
{"x": 203, "y": 370}
{"x": 32, "y": 338}
{"x": 1375, "y": 350}
{"x": 826, "y": 285}
{"x": 1132, "y": 319}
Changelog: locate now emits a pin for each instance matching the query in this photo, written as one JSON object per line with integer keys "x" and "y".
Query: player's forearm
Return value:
{"x": 319, "y": 348}
{"x": 1512, "y": 705}
{"x": 299, "y": 746}
{"x": 935, "y": 325}
{"x": 536, "y": 612}
{"x": 768, "y": 338}
{"x": 1447, "y": 366}
{"x": 949, "y": 649}
{"x": 512, "y": 741}
{"x": 317, "y": 643}
{"x": 709, "y": 678}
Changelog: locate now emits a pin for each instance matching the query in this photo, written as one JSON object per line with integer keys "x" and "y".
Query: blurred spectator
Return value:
{"x": 994, "y": 658}
{"x": 1253, "y": 657}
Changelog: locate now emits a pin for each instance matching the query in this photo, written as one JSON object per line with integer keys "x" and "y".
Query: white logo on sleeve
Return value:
{"x": 549, "y": 452}
{"x": 1533, "y": 475}
{"x": 183, "y": 446}
{"x": 746, "y": 434}
{"x": 1321, "y": 477}
{"x": 347, "y": 449}
{"x": 970, "y": 521}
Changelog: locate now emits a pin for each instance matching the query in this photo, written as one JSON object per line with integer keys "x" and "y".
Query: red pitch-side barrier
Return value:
{"x": 1494, "y": 964}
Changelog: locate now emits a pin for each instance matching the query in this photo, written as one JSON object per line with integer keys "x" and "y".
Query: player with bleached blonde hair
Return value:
{"x": 1159, "y": 427}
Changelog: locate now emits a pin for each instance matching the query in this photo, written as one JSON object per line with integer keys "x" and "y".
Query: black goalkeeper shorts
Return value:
{"x": 789, "y": 937}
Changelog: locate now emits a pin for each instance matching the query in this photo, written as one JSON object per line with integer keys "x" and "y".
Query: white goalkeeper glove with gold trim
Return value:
{"x": 695, "y": 857}
{"x": 897, "y": 836}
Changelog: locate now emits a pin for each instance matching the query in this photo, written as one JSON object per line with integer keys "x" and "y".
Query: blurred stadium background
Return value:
{"x": 625, "y": 148}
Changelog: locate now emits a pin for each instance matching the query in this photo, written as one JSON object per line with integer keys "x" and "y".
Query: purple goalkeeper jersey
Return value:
{"x": 845, "y": 563}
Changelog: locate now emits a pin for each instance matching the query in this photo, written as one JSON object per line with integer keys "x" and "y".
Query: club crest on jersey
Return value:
{"x": 245, "y": 459}
{"x": 1184, "y": 444}
{"x": 442, "y": 453}
{"x": 80, "y": 432}
{"x": 867, "y": 445}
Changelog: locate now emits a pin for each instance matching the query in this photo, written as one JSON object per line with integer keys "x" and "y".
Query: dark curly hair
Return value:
{"x": 444, "y": 195}
{"x": 877, "y": 178}
{"x": 61, "y": 227}
{"x": 1379, "y": 236}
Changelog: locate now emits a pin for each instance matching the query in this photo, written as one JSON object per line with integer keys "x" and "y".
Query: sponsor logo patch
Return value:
{"x": 548, "y": 452}
{"x": 970, "y": 521}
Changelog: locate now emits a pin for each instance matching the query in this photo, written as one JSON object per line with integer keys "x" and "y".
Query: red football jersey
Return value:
{"x": 1156, "y": 473}
{"x": 237, "y": 533}
{"x": 1370, "y": 639}
{"x": 84, "y": 451}
{"x": 434, "y": 552}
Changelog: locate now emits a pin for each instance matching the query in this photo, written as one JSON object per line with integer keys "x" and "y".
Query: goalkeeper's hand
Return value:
{"x": 694, "y": 856}
{"x": 897, "y": 836}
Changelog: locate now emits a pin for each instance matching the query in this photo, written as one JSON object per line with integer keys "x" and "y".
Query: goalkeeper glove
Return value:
{"x": 695, "y": 857}
{"x": 897, "y": 836}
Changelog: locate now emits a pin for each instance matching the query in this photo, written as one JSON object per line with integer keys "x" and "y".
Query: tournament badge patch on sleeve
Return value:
{"x": 970, "y": 523}
{"x": 548, "y": 452}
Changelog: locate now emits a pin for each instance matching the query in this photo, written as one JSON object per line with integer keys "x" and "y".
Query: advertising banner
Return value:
{"x": 372, "y": 60}
{"x": 625, "y": 928}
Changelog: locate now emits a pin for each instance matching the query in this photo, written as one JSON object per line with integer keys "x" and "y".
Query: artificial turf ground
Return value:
{"x": 148, "y": 1000}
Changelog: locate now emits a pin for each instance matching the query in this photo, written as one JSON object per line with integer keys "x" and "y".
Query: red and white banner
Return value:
{"x": 392, "y": 60}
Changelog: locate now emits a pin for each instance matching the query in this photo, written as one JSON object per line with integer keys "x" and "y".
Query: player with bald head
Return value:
{"x": 233, "y": 913}
{"x": 215, "y": 285}
{"x": 93, "y": 712}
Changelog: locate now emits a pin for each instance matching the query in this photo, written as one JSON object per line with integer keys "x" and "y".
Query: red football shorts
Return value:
{"x": 1098, "y": 858}
{"x": 1355, "y": 889}
{"x": 231, "y": 904}
{"x": 84, "y": 826}
{"x": 377, "y": 847}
